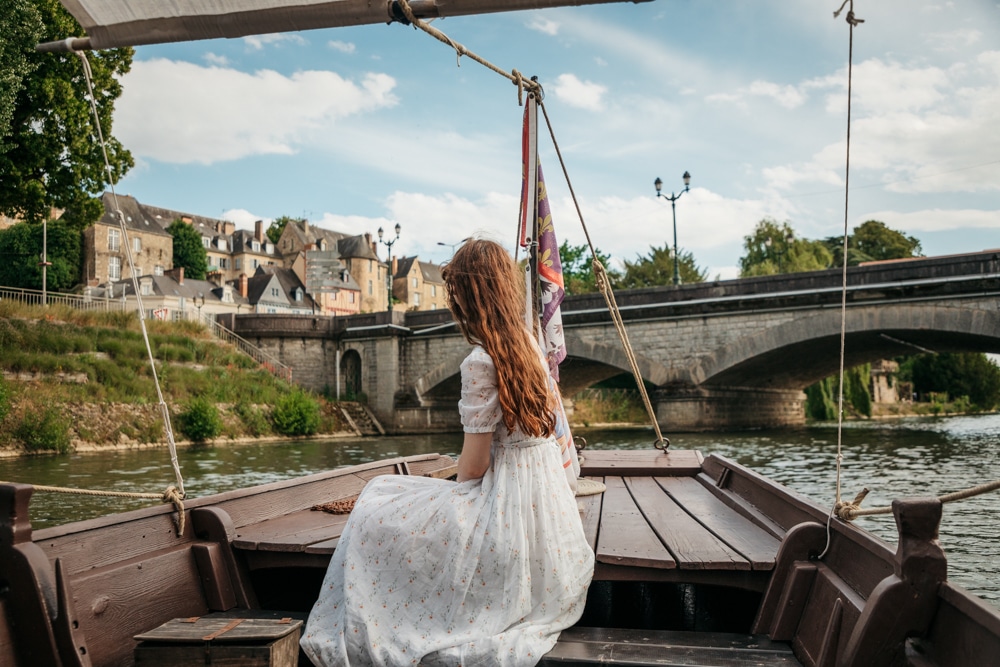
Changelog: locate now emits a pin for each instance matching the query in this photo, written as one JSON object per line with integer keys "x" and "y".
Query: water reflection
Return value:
{"x": 895, "y": 459}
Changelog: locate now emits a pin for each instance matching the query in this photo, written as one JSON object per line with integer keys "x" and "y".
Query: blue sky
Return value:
{"x": 356, "y": 128}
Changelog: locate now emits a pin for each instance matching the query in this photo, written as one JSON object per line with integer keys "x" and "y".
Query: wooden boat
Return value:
{"x": 700, "y": 561}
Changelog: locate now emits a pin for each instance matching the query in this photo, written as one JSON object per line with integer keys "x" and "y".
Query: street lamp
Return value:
{"x": 388, "y": 271}
{"x": 658, "y": 184}
{"x": 453, "y": 245}
{"x": 199, "y": 301}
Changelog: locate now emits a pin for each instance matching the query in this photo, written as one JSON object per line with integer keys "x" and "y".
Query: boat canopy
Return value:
{"x": 111, "y": 23}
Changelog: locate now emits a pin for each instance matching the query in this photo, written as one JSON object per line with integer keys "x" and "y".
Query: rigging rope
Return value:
{"x": 848, "y": 511}
{"x": 600, "y": 273}
{"x": 172, "y": 494}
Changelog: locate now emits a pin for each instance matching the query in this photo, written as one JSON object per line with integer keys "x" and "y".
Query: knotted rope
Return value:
{"x": 170, "y": 495}
{"x": 852, "y": 510}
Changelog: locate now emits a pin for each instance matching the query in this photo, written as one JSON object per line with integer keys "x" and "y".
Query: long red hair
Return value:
{"x": 486, "y": 297}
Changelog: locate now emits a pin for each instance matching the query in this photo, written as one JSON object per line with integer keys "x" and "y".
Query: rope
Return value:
{"x": 170, "y": 495}
{"x": 600, "y": 273}
{"x": 515, "y": 77}
{"x": 852, "y": 510}
{"x": 851, "y": 21}
{"x": 604, "y": 285}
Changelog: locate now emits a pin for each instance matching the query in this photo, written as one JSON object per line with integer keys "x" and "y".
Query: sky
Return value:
{"x": 357, "y": 128}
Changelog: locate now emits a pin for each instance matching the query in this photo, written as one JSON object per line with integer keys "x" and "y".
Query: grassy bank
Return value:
{"x": 74, "y": 378}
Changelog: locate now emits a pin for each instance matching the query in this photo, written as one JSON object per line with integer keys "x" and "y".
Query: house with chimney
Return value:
{"x": 357, "y": 252}
{"x": 105, "y": 247}
{"x": 172, "y": 297}
{"x": 417, "y": 285}
{"x": 278, "y": 290}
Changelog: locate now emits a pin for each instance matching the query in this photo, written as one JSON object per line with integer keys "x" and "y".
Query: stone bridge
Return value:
{"x": 726, "y": 354}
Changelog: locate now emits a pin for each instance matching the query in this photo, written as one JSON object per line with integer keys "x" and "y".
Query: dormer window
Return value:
{"x": 222, "y": 244}
{"x": 269, "y": 248}
{"x": 227, "y": 294}
{"x": 206, "y": 242}
{"x": 298, "y": 294}
{"x": 255, "y": 246}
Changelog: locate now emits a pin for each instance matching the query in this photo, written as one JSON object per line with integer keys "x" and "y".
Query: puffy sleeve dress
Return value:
{"x": 487, "y": 572}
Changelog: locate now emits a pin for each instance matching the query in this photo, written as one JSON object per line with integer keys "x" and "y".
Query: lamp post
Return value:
{"x": 199, "y": 301}
{"x": 453, "y": 245}
{"x": 388, "y": 270}
{"x": 658, "y": 184}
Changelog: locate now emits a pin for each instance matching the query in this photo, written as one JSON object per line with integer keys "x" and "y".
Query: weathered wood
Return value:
{"x": 117, "y": 602}
{"x": 215, "y": 525}
{"x": 292, "y": 532}
{"x": 585, "y": 646}
{"x": 590, "y": 514}
{"x": 754, "y": 543}
{"x": 215, "y": 578}
{"x": 228, "y": 628}
{"x": 680, "y": 462}
{"x": 802, "y": 544}
{"x": 220, "y": 640}
{"x": 692, "y": 546}
{"x": 624, "y": 537}
{"x": 965, "y": 631}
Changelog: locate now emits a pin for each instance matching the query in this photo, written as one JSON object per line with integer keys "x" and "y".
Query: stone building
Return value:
{"x": 357, "y": 252}
{"x": 417, "y": 285}
{"x": 104, "y": 246}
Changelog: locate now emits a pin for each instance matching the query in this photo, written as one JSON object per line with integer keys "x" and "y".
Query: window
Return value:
{"x": 416, "y": 298}
{"x": 298, "y": 294}
{"x": 146, "y": 288}
{"x": 415, "y": 283}
{"x": 350, "y": 297}
{"x": 227, "y": 294}
{"x": 275, "y": 291}
{"x": 158, "y": 270}
{"x": 210, "y": 261}
{"x": 114, "y": 268}
{"x": 205, "y": 241}
{"x": 434, "y": 306}
{"x": 237, "y": 264}
{"x": 255, "y": 246}
{"x": 434, "y": 290}
{"x": 370, "y": 288}
{"x": 114, "y": 240}
{"x": 222, "y": 244}
{"x": 255, "y": 263}
{"x": 136, "y": 244}
{"x": 223, "y": 262}
{"x": 369, "y": 266}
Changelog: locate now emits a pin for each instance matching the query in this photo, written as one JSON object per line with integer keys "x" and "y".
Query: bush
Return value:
{"x": 253, "y": 418}
{"x": 296, "y": 414}
{"x": 4, "y": 399}
{"x": 200, "y": 421}
{"x": 44, "y": 431}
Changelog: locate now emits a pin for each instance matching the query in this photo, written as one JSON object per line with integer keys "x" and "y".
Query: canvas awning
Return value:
{"x": 111, "y": 23}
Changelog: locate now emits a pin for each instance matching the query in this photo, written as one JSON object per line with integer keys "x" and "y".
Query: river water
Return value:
{"x": 892, "y": 459}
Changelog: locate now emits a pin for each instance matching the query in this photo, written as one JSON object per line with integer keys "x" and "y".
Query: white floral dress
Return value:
{"x": 486, "y": 572}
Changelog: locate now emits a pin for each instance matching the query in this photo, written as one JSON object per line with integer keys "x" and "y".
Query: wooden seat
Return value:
{"x": 591, "y": 646}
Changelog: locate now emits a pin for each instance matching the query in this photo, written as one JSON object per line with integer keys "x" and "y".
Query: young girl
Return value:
{"x": 487, "y": 571}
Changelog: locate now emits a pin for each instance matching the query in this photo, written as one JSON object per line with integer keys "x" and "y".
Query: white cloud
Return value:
{"x": 788, "y": 97}
{"x": 258, "y": 42}
{"x": 542, "y": 24}
{"x": 938, "y": 220}
{"x": 343, "y": 47}
{"x": 183, "y": 113}
{"x": 215, "y": 59}
{"x": 580, "y": 94}
{"x": 244, "y": 219}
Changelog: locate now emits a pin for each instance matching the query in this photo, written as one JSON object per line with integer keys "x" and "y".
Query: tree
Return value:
{"x": 772, "y": 248}
{"x": 48, "y": 156}
{"x": 278, "y": 225}
{"x": 873, "y": 241}
{"x": 657, "y": 268}
{"x": 578, "y": 271}
{"x": 21, "y": 250}
{"x": 188, "y": 250}
{"x": 970, "y": 374}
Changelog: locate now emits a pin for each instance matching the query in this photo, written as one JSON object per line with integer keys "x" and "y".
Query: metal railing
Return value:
{"x": 32, "y": 297}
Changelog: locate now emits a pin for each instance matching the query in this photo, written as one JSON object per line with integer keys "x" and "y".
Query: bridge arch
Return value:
{"x": 590, "y": 361}
{"x": 795, "y": 354}
{"x": 443, "y": 381}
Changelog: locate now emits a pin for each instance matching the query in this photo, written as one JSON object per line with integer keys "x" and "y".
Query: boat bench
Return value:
{"x": 609, "y": 646}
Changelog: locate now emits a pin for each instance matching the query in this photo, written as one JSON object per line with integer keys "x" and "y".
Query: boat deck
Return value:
{"x": 657, "y": 521}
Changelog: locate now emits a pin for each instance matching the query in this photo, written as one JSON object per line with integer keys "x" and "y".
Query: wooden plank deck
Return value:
{"x": 659, "y": 520}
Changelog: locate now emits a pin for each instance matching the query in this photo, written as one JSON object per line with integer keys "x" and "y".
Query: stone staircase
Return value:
{"x": 360, "y": 418}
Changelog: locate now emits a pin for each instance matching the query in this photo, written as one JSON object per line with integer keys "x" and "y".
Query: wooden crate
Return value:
{"x": 220, "y": 641}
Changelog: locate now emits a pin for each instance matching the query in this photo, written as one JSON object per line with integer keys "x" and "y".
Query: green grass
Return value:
{"x": 108, "y": 350}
